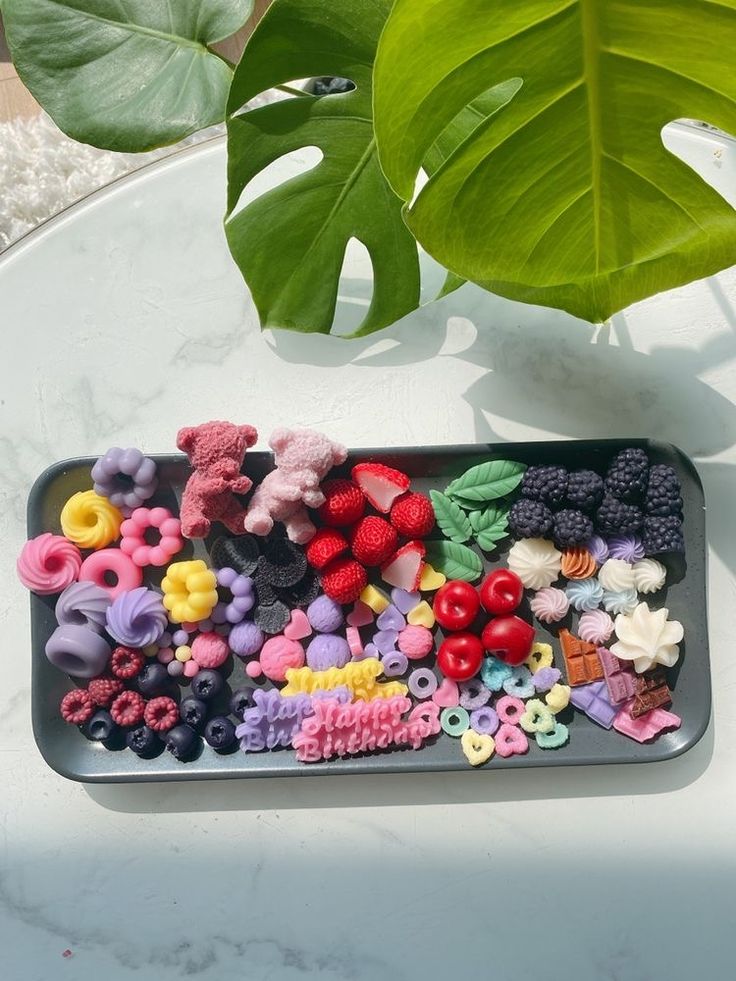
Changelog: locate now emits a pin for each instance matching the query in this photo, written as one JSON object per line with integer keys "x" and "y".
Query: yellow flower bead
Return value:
{"x": 90, "y": 521}
{"x": 190, "y": 591}
{"x": 183, "y": 653}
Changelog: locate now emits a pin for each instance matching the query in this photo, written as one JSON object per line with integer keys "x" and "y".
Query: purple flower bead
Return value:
{"x": 126, "y": 477}
{"x": 327, "y": 651}
{"x": 137, "y": 618}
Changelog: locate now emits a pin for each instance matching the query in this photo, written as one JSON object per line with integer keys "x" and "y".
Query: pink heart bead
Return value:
{"x": 298, "y": 626}
{"x": 361, "y": 615}
{"x": 447, "y": 695}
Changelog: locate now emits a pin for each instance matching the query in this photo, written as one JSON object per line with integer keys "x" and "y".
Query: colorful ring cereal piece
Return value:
{"x": 422, "y": 683}
{"x": 511, "y": 741}
{"x": 546, "y": 678}
{"x": 558, "y": 698}
{"x": 77, "y": 707}
{"x": 537, "y": 717}
{"x": 84, "y": 605}
{"x": 89, "y": 520}
{"x": 493, "y": 673}
{"x": 137, "y": 618}
{"x": 111, "y": 563}
{"x": 125, "y": 477}
{"x": 478, "y": 747}
{"x": 540, "y": 657}
{"x": 554, "y": 739}
{"x": 484, "y": 720}
{"x": 394, "y": 664}
{"x": 134, "y": 544}
{"x": 48, "y": 563}
{"x": 509, "y": 709}
{"x": 473, "y": 694}
{"x": 161, "y": 714}
{"x": 454, "y": 721}
{"x": 519, "y": 682}
{"x": 190, "y": 591}
{"x": 78, "y": 651}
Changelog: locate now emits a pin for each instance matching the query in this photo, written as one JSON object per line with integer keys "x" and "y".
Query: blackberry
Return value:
{"x": 663, "y": 534}
{"x": 530, "y": 519}
{"x": 571, "y": 528}
{"x": 664, "y": 494}
{"x": 584, "y": 489}
{"x": 627, "y": 475}
{"x": 545, "y": 483}
{"x": 614, "y": 517}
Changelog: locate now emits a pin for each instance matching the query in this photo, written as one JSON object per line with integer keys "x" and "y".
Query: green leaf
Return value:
{"x": 566, "y": 196}
{"x": 490, "y": 526}
{"x": 487, "y": 481}
{"x": 452, "y": 522}
{"x": 290, "y": 242}
{"x": 125, "y": 74}
{"x": 454, "y": 560}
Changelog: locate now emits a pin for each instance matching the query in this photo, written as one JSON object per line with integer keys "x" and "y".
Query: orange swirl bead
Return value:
{"x": 577, "y": 563}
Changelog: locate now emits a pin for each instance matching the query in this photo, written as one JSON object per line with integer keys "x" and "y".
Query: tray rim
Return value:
{"x": 363, "y": 765}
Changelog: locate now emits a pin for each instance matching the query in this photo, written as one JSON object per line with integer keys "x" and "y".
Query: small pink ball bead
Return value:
{"x": 253, "y": 669}
{"x": 191, "y": 668}
{"x": 165, "y": 655}
{"x": 415, "y": 641}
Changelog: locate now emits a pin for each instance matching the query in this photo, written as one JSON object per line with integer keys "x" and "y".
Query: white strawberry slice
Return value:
{"x": 380, "y": 484}
{"x": 404, "y": 568}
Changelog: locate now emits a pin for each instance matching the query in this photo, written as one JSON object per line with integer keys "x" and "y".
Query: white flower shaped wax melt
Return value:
{"x": 647, "y": 637}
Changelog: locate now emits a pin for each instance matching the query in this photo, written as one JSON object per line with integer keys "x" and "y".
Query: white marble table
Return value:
{"x": 124, "y": 319}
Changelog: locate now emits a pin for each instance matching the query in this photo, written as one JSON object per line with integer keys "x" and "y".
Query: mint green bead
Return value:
{"x": 454, "y": 721}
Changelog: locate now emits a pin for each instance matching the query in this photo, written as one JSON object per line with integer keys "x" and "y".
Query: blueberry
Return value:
{"x": 241, "y": 700}
{"x": 100, "y": 726}
{"x": 154, "y": 679}
{"x": 207, "y": 684}
{"x": 181, "y": 741}
{"x": 193, "y": 711}
{"x": 143, "y": 741}
{"x": 220, "y": 732}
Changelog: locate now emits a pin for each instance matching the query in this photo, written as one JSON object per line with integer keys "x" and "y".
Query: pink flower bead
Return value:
{"x": 134, "y": 544}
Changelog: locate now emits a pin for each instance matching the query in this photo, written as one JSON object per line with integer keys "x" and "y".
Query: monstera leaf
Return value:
{"x": 566, "y": 196}
{"x": 124, "y": 74}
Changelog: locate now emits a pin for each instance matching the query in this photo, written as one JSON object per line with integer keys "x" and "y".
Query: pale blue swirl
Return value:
{"x": 585, "y": 594}
{"x": 623, "y": 601}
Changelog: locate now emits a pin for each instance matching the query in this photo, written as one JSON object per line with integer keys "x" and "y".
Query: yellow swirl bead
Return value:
{"x": 90, "y": 521}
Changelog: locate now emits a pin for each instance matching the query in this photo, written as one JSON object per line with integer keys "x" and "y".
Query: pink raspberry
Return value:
{"x": 77, "y": 707}
{"x": 103, "y": 690}
{"x": 161, "y": 714}
{"x": 128, "y": 709}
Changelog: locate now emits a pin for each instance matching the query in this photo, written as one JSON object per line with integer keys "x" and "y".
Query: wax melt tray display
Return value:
{"x": 430, "y": 468}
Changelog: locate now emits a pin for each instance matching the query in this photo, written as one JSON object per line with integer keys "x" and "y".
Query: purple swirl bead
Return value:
{"x": 137, "y": 618}
{"x": 598, "y": 548}
{"x": 626, "y": 547}
{"x": 126, "y": 477}
{"x": 83, "y": 605}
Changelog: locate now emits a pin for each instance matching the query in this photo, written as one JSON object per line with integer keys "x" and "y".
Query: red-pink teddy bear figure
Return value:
{"x": 216, "y": 451}
{"x": 303, "y": 459}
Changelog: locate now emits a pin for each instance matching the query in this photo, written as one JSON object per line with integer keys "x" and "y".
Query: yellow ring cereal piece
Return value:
{"x": 478, "y": 747}
{"x": 538, "y": 717}
{"x": 375, "y": 599}
{"x": 540, "y": 657}
{"x": 558, "y": 698}
{"x": 421, "y": 616}
{"x": 190, "y": 591}
{"x": 431, "y": 579}
{"x": 90, "y": 521}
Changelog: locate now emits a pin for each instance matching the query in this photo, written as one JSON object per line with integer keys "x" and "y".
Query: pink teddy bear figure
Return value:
{"x": 216, "y": 451}
{"x": 303, "y": 459}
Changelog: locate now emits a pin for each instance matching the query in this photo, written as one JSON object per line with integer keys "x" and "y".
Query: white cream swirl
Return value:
{"x": 649, "y": 576}
{"x": 615, "y": 575}
{"x": 535, "y": 561}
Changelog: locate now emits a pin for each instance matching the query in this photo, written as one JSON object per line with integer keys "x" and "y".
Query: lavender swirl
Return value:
{"x": 598, "y": 548}
{"x": 626, "y": 547}
{"x": 137, "y": 618}
{"x": 84, "y": 605}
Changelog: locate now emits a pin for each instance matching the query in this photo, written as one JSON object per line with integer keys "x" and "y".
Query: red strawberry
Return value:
{"x": 326, "y": 545}
{"x": 404, "y": 568}
{"x": 344, "y": 503}
{"x": 373, "y": 540}
{"x": 344, "y": 580}
{"x": 413, "y": 516}
{"x": 380, "y": 484}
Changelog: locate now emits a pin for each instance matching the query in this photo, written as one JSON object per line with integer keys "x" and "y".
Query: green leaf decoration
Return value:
{"x": 487, "y": 481}
{"x": 290, "y": 242}
{"x": 451, "y": 520}
{"x": 490, "y": 526}
{"x": 125, "y": 74}
{"x": 454, "y": 560}
{"x": 567, "y": 195}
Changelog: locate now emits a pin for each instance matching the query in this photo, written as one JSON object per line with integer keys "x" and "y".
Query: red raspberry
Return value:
{"x": 161, "y": 714}
{"x": 344, "y": 503}
{"x": 373, "y": 540}
{"x": 326, "y": 545}
{"x": 77, "y": 706}
{"x": 103, "y": 690}
{"x": 413, "y": 516}
{"x": 128, "y": 709}
{"x": 126, "y": 662}
{"x": 344, "y": 580}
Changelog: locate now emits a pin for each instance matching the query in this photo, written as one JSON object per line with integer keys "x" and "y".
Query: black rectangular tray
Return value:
{"x": 67, "y": 751}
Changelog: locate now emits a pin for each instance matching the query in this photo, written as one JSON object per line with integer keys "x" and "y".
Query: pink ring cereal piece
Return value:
{"x": 111, "y": 560}
{"x": 134, "y": 544}
{"x": 253, "y": 669}
{"x": 509, "y": 709}
{"x": 352, "y": 635}
{"x": 510, "y": 740}
{"x": 415, "y": 641}
{"x": 279, "y": 654}
{"x": 209, "y": 650}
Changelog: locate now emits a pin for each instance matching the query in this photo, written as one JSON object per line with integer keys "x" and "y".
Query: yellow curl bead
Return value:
{"x": 558, "y": 698}
{"x": 360, "y": 677}
{"x": 376, "y": 599}
{"x": 90, "y": 521}
{"x": 183, "y": 653}
{"x": 190, "y": 591}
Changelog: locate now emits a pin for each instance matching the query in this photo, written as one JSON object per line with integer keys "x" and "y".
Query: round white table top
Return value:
{"x": 124, "y": 319}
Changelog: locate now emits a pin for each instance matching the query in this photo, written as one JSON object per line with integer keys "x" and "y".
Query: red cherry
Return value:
{"x": 456, "y": 604}
{"x": 501, "y": 591}
{"x": 510, "y": 638}
{"x": 460, "y": 656}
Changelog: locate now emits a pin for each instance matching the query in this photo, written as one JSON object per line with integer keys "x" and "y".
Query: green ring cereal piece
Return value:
{"x": 537, "y": 717}
{"x": 553, "y": 740}
{"x": 455, "y": 721}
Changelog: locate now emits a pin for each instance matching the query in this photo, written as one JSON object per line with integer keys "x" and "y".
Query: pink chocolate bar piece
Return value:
{"x": 647, "y": 726}
{"x": 619, "y": 676}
